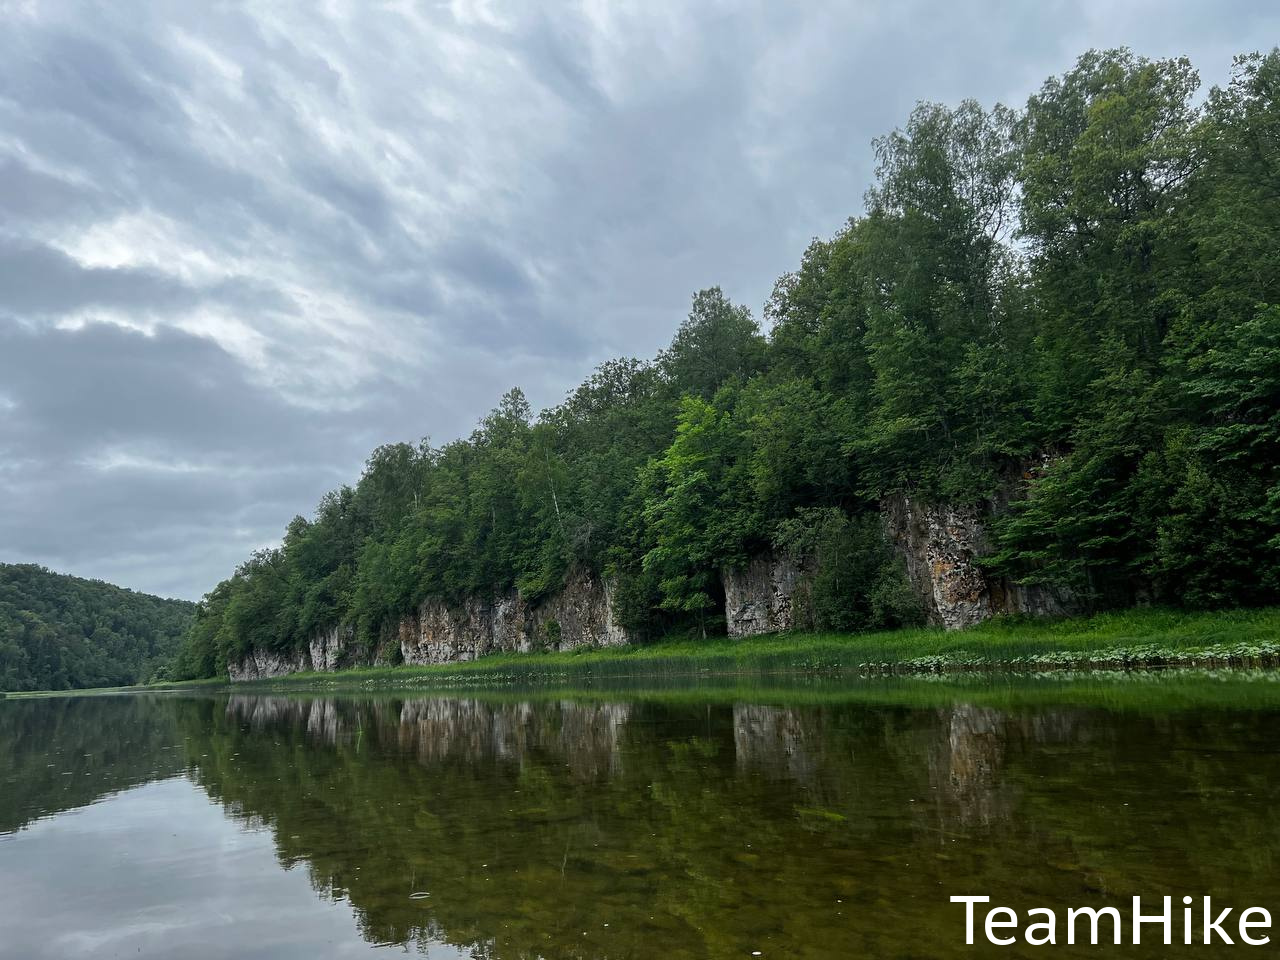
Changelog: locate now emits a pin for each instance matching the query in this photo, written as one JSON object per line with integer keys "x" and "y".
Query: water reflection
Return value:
{"x": 62, "y": 753}
{"x": 524, "y": 826}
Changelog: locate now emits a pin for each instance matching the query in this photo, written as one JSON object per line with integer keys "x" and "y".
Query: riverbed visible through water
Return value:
{"x": 820, "y": 820}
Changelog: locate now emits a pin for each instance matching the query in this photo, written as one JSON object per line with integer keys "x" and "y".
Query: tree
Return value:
{"x": 718, "y": 342}
{"x": 699, "y": 512}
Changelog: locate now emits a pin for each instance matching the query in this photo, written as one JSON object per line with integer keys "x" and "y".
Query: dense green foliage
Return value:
{"x": 59, "y": 632}
{"x": 1074, "y": 306}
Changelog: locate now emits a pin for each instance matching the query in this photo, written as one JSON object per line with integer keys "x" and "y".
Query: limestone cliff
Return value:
{"x": 940, "y": 545}
{"x": 758, "y": 598}
{"x": 331, "y": 649}
{"x": 264, "y": 664}
{"x": 581, "y": 614}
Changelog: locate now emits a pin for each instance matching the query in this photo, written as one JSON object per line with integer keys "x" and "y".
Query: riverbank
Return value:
{"x": 163, "y": 687}
{"x": 1135, "y": 639}
{"x": 1128, "y": 640}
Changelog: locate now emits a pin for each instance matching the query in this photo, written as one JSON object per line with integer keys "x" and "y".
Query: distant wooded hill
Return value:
{"x": 59, "y": 632}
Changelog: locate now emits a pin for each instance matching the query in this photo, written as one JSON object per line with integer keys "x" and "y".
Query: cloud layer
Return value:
{"x": 240, "y": 245}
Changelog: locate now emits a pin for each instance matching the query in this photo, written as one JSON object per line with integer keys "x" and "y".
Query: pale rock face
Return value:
{"x": 940, "y": 544}
{"x": 265, "y": 664}
{"x": 758, "y": 598}
{"x": 440, "y": 632}
{"x": 329, "y": 647}
{"x": 443, "y": 633}
{"x": 584, "y": 610}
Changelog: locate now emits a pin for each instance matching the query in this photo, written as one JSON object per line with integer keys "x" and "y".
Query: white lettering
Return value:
{"x": 1094, "y": 916}
{"x": 993, "y": 922}
{"x": 1050, "y": 925}
{"x": 1165, "y": 918}
{"x": 1209, "y": 927}
{"x": 1246, "y": 923}
{"x": 968, "y": 914}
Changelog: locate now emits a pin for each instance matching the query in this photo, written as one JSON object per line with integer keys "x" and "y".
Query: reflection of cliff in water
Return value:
{"x": 58, "y": 753}
{"x": 964, "y": 749}
{"x": 433, "y": 730}
{"x": 967, "y": 760}
{"x": 709, "y": 829}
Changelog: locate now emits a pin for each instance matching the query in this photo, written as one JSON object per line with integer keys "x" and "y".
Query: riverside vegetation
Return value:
{"x": 1068, "y": 312}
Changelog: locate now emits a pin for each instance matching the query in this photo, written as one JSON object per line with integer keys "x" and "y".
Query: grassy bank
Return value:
{"x": 1129, "y": 640}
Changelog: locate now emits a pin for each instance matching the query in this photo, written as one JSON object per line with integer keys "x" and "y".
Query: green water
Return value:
{"x": 811, "y": 821}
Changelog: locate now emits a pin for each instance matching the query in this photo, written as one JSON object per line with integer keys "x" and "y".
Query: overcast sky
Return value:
{"x": 243, "y": 244}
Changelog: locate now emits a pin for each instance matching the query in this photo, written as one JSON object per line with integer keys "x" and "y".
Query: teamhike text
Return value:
{"x": 1041, "y": 925}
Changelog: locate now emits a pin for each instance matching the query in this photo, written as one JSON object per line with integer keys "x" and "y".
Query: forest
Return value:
{"x": 59, "y": 632}
{"x": 1071, "y": 309}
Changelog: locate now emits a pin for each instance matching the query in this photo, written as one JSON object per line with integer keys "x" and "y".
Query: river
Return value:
{"x": 713, "y": 820}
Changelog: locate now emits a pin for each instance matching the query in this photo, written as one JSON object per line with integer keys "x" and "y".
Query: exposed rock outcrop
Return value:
{"x": 940, "y": 545}
{"x": 264, "y": 664}
{"x": 333, "y": 648}
{"x": 581, "y": 614}
{"x": 758, "y": 598}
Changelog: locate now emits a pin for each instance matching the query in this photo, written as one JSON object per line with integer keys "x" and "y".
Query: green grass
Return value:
{"x": 1127, "y": 640}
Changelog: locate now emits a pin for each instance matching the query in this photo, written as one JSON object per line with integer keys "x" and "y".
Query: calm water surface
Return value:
{"x": 824, "y": 822}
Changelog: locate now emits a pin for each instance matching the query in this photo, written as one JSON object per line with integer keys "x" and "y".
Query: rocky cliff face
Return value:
{"x": 331, "y": 649}
{"x": 579, "y": 615}
{"x": 758, "y": 598}
{"x": 940, "y": 544}
{"x": 264, "y": 664}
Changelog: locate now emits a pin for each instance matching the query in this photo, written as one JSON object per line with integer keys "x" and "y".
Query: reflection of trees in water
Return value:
{"x": 58, "y": 753}
{"x": 708, "y": 831}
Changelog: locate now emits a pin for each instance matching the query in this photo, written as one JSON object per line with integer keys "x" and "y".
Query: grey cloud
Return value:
{"x": 124, "y": 446}
{"x": 32, "y": 196}
{"x": 40, "y": 280}
{"x": 363, "y": 203}
{"x": 37, "y": 280}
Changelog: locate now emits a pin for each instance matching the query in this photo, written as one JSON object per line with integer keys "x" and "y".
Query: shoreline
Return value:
{"x": 1131, "y": 640}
